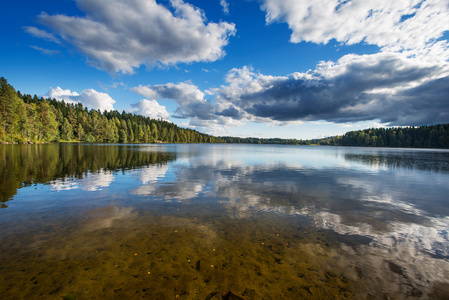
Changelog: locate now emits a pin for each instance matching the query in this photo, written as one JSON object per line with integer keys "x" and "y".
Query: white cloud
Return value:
{"x": 145, "y": 91}
{"x": 39, "y": 33}
{"x": 191, "y": 104}
{"x": 225, "y": 6}
{"x": 61, "y": 94}
{"x": 94, "y": 99}
{"x": 403, "y": 24}
{"x": 151, "y": 109}
{"x": 114, "y": 85}
{"x": 190, "y": 100}
{"x": 46, "y": 51}
{"x": 403, "y": 84}
{"x": 246, "y": 81}
{"x": 217, "y": 127}
{"x": 119, "y": 37}
{"x": 391, "y": 87}
{"x": 90, "y": 98}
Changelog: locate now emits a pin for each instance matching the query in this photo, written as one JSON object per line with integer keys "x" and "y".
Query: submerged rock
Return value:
{"x": 231, "y": 296}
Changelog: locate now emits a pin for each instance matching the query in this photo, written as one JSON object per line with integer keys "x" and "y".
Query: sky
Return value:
{"x": 249, "y": 68}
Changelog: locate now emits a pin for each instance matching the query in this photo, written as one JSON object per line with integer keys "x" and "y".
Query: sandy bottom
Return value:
{"x": 124, "y": 254}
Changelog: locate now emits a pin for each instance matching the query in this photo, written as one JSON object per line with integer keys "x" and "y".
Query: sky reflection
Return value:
{"x": 387, "y": 208}
{"x": 400, "y": 204}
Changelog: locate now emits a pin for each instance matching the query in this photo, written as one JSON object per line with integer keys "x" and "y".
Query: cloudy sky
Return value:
{"x": 263, "y": 68}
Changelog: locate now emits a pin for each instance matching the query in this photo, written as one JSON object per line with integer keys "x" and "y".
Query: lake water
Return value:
{"x": 223, "y": 222}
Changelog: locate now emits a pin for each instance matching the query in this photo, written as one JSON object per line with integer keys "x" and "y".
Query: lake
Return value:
{"x": 220, "y": 221}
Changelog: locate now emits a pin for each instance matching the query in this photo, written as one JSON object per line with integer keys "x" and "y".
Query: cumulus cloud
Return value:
{"x": 405, "y": 24}
{"x": 190, "y": 99}
{"x": 192, "y": 105}
{"x": 118, "y": 36}
{"x": 403, "y": 84}
{"x": 61, "y": 94}
{"x": 90, "y": 98}
{"x": 390, "y": 87}
{"x": 151, "y": 109}
{"x": 146, "y": 91}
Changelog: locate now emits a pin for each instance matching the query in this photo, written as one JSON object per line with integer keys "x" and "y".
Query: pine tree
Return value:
{"x": 8, "y": 103}
{"x": 80, "y": 132}
{"x": 46, "y": 123}
{"x": 154, "y": 132}
{"x": 123, "y": 137}
{"x": 67, "y": 131}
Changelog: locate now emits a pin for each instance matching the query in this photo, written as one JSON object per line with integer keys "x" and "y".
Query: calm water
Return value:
{"x": 231, "y": 221}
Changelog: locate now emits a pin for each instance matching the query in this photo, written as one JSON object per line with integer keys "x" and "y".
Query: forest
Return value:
{"x": 27, "y": 119}
{"x": 434, "y": 136}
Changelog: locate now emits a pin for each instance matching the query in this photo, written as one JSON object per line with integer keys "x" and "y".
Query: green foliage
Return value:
{"x": 67, "y": 131}
{"x": 27, "y": 119}
{"x": 89, "y": 138}
{"x": 79, "y": 132}
{"x": 12, "y": 113}
{"x": 435, "y": 136}
{"x": 46, "y": 123}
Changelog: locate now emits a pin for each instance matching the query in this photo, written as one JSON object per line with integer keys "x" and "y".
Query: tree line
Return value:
{"x": 27, "y": 119}
{"x": 434, "y": 136}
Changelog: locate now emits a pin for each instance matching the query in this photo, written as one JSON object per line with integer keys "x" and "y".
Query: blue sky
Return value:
{"x": 266, "y": 68}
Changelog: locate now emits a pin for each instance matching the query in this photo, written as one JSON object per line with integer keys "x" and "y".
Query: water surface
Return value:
{"x": 213, "y": 221}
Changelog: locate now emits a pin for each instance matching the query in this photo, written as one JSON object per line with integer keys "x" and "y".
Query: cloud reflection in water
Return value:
{"x": 391, "y": 206}
{"x": 90, "y": 182}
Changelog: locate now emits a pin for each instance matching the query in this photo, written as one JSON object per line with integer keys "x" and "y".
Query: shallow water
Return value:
{"x": 223, "y": 221}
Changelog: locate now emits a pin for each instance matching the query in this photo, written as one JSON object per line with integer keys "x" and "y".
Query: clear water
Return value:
{"x": 223, "y": 221}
